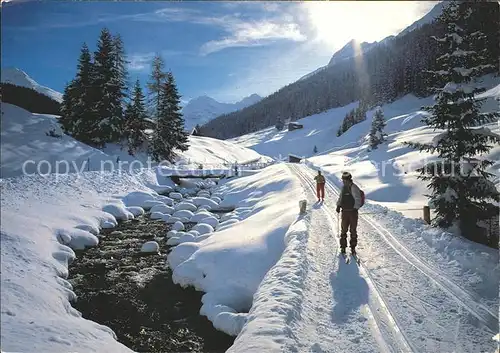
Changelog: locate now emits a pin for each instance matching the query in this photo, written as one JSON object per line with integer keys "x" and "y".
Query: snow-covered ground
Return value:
{"x": 46, "y": 215}
{"x": 386, "y": 174}
{"x": 271, "y": 276}
{"x": 27, "y": 149}
{"x": 39, "y": 214}
{"x": 20, "y": 78}
{"x": 229, "y": 265}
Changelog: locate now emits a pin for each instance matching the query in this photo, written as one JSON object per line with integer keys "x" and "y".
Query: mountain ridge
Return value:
{"x": 200, "y": 110}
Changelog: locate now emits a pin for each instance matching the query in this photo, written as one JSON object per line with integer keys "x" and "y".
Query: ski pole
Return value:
{"x": 338, "y": 224}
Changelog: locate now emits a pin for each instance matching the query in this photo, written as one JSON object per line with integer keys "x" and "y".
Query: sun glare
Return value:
{"x": 337, "y": 22}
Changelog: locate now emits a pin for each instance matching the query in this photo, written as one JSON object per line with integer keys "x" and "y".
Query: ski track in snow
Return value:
{"x": 370, "y": 327}
{"x": 419, "y": 309}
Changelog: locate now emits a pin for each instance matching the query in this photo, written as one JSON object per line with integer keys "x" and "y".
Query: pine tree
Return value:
{"x": 460, "y": 185}
{"x": 78, "y": 113}
{"x": 377, "y": 130}
{"x": 315, "y": 149}
{"x": 169, "y": 135}
{"x": 120, "y": 77}
{"x": 135, "y": 114}
{"x": 157, "y": 79}
{"x": 67, "y": 119}
{"x": 107, "y": 89}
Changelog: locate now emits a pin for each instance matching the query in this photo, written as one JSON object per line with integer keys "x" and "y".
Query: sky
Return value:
{"x": 226, "y": 50}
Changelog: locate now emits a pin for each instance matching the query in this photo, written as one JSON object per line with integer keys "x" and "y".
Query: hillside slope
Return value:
{"x": 27, "y": 149}
{"x": 380, "y": 172}
{"x": 20, "y": 78}
{"x": 382, "y": 74}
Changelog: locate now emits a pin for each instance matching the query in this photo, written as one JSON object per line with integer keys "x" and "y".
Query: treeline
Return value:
{"x": 29, "y": 99}
{"x": 389, "y": 70}
{"x": 355, "y": 116}
{"x": 99, "y": 108}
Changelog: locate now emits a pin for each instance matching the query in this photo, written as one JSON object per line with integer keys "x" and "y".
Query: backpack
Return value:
{"x": 362, "y": 193}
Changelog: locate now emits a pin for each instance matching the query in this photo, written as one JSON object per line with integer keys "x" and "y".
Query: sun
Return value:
{"x": 337, "y": 22}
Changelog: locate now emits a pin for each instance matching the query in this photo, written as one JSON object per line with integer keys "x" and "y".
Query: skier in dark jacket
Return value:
{"x": 320, "y": 186}
{"x": 349, "y": 201}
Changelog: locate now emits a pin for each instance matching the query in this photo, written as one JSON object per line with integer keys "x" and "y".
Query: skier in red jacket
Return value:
{"x": 320, "y": 186}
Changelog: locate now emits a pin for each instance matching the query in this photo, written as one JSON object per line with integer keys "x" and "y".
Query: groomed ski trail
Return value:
{"x": 432, "y": 312}
{"x": 341, "y": 310}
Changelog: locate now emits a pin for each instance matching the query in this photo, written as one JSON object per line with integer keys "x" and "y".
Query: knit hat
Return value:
{"x": 346, "y": 176}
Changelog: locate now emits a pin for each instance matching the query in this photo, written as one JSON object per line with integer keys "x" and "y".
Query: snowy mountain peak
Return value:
{"x": 202, "y": 109}
{"x": 433, "y": 14}
{"x": 351, "y": 49}
{"x": 18, "y": 77}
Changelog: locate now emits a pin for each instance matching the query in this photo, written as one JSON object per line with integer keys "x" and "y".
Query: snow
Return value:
{"x": 183, "y": 214}
{"x": 20, "y": 78}
{"x": 452, "y": 87}
{"x": 119, "y": 212}
{"x": 135, "y": 210}
{"x": 229, "y": 265}
{"x": 175, "y": 195}
{"x": 204, "y": 201}
{"x": 26, "y": 149}
{"x": 47, "y": 215}
{"x": 212, "y": 221}
{"x": 150, "y": 247}
{"x": 186, "y": 205}
{"x": 162, "y": 208}
{"x": 203, "y": 228}
{"x": 387, "y": 174}
{"x": 178, "y": 226}
{"x": 39, "y": 216}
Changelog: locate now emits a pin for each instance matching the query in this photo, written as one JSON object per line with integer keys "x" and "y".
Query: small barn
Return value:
{"x": 294, "y": 126}
{"x": 294, "y": 158}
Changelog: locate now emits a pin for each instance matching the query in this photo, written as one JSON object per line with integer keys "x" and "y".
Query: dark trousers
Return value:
{"x": 320, "y": 190}
{"x": 349, "y": 222}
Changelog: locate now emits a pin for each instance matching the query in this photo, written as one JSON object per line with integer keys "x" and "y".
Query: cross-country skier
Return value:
{"x": 349, "y": 201}
{"x": 320, "y": 186}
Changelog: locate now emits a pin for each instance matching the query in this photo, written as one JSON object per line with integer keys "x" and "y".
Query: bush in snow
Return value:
{"x": 461, "y": 189}
{"x": 150, "y": 247}
{"x": 377, "y": 130}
